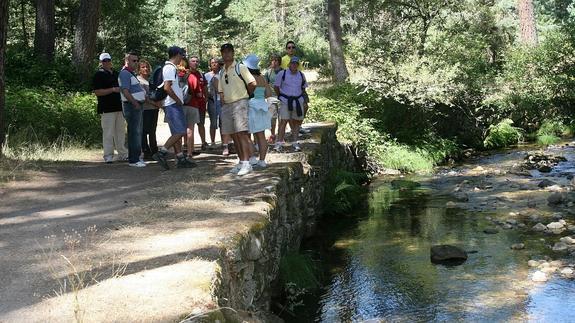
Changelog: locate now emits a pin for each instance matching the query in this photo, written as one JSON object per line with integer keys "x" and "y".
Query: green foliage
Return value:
{"x": 502, "y": 135}
{"x": 363, "y": 120}
{"x": 300, "y": 270}
{"x": 546, "y": 140}
{"x": 51, "y": 113}
{"x": 343, "y": 191}
{"x": 551, "y": 132}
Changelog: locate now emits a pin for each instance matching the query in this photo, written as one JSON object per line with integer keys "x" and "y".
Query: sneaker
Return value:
{"x": 296, "y": 147}
{"x": 108, "y": 159}
{"x": 184, "y": 162}
{"x": 278, "y": 146}
{"x": 160, "y": 157}
{"x": 226, "y": 152}
{"x": 204, "y": 146}
{"x": 253, "y": 161}
{"x": 138, "y": 164}
{"x": 271, "y": 139}
{"x": 245, "y": 169}
{"x": 261, "y": 164}
{"x": 236, "y": 168}
{"x": 213, "y": 146}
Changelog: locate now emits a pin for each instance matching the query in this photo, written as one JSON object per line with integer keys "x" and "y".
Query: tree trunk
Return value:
{"x": 23, "y": 23}
{"x": 85, "y": 35}
{"x": 45, "y": 34}
{"x": 335, "y": 41}
{"x": 423, "y": 38}
{"x": 527, "y": 24}
{"x": 3, "y": 33}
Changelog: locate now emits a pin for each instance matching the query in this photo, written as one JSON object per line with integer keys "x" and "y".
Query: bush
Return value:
{"x": 51, "y": 114}
{"x": 502, "y": 135}
{"x": 343, "y": 190}
{"x": 300, "y": 270}
{"x": 359, "y": 116}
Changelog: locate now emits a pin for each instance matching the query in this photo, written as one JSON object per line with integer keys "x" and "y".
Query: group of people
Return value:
{"x": 239, "y": 99}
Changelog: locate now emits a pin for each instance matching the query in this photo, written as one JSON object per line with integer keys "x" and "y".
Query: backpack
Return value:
{"x": 239, "y": 74}
{"x": 157, "y": 92}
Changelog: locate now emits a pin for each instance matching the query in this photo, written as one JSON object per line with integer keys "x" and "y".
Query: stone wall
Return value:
{"x": 250, "y": 263}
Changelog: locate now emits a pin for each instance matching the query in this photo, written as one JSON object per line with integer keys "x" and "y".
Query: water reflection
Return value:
{"x": 385, "y": 274}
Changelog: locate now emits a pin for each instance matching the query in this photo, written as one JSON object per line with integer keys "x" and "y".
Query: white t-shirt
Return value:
{"x": 169, "y": 73}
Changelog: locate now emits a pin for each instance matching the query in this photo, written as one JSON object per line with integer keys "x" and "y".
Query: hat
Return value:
{"x": 175, "y": 50}
{"x": 104, "y": 56}
{"x": 294, "y": 59}
{"x": 252, "y": 62}
{"x": 227, "y": 46}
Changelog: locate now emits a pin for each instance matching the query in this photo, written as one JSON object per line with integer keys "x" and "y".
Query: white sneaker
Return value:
{"x": 108, "y": 159}
{"x": 262, "y": 164}
{"x": 138, "y": 164}
{"x": 296, "y": 147}
{"x": 253, "y": 161}
{"x": 236, "y": 168}
{"x": 245, "y": 169}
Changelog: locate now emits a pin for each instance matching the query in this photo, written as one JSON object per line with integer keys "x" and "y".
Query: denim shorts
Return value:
{"x": 176, "y": 119}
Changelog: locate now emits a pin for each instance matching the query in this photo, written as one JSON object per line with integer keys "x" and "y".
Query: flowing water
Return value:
{"x": 378, "y": 261}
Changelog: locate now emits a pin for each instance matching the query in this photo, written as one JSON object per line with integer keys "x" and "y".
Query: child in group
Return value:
{"x": 259, "y": 118}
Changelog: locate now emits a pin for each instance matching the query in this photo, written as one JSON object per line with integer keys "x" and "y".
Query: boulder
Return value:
{"x": 555, "y": 199}
{"x": 507, "y": 226}
{"x": 539, "y": 227}
{"x": 447, "y": 254}
{"x": 539, "y": 276}
{"x": 567, "y": 240}
{"x": 545, "y": 169}
{"x": 491, "y": 231}
{"x": 555, "y": 226}
{"x": 533, "y": 263}
{"x": 518, "y": 246}
{"x": 567, "y": 271}
{"x": 560, "y": 246}
{"x": 545, "y": 183}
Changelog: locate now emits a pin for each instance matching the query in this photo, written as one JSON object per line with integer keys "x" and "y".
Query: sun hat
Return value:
{"x": 251, "y": 61}
{"x": 104, "y": 56}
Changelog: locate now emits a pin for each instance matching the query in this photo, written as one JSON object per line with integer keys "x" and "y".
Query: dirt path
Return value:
{"x": 109, "y": 243}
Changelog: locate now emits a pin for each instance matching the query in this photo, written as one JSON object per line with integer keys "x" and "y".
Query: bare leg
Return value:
{"x": 237, "y": 145}
{"x": 213, "y": 135}
{"x": 273, "y": 128}
{"x": 244, "y": 145}
{"x": 176, "y": 142}
{"x": 202, "y": 131}
{"x": 295, "y": 125}
{"x": 262, "y": 143}
{"x": 282, "y": 130}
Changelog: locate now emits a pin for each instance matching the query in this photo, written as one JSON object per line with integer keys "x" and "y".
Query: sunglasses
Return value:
{"x": 226, "y": 78}
{"x": 135, "y": 60}
{"x": 106, "y": 60}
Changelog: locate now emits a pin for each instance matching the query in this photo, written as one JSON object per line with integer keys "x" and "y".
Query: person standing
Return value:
{"x": 105, "y": 87}
{"x": 236, "y": 84}
{"x": 290, "y": 86}
{"x": 133, "y": 98}
{"x": 197, "y": 88}
{"x": 151, "y": 111}
{"x": 192, "y": 114}
{"x": 270, "y": 77}
{"x": 290, "y": 52}
{"x": 173, "y": 108}
{"x": 259, "y": 118}
{"x": 214, "y": 103}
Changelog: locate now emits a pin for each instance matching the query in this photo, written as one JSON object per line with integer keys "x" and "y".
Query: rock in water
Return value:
{"x": 461, "y": 197}
{"x": 518, "y": 246}
{"x": 539, "y": 276}
{"x": 546, "y": 183}
{"x": 448, "y": 254}
{"x": 555, "y": 198}
{"x": 533, "y": 263}
{"x": 545, "y": 169}
{"x": 560, "y": 246}
{"x": 491, "y": 231}
{"x": 567, "y": 240}
{"x": 555, "y": 226}
{"x": 539, "y": 227}
{"x": 450, "y": 205}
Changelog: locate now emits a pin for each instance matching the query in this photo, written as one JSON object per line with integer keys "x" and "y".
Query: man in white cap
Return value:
{"x": 106, "y": 88}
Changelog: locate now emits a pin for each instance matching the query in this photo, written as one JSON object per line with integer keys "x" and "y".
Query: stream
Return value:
{"x": 512, "y": 211}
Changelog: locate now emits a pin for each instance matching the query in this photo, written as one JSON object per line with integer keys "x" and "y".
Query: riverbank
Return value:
{"x": 169, "y": 244}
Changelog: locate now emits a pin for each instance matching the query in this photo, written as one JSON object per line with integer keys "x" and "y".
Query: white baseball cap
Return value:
{"x": 104, "y": 56}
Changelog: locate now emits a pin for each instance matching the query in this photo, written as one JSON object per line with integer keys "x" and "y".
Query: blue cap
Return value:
{"x": 294, "y": 59}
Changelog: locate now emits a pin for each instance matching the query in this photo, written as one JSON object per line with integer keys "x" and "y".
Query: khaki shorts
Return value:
{"x": 286, "y": 114}
{"x": 192, "y": 115}
{"x": 234, "y": 117}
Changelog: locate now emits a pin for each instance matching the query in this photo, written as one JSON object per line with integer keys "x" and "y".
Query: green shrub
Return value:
{"x": 301, "y": 270}
{"x": 51, "y": 114}
{"x": 551, "y": 132}
{"x": 343, "y": 191}
{"x": 502, "y": 135}
{"x": 546, "y": 140}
